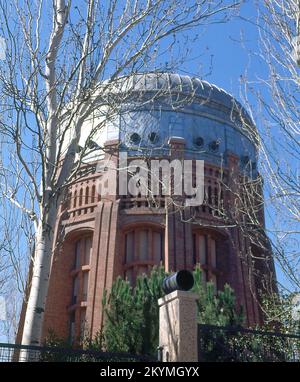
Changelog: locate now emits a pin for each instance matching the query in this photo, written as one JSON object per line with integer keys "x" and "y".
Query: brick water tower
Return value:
{"x": 162, "y": 116}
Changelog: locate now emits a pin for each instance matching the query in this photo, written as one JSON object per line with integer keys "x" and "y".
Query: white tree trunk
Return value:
{"x": 33, "y": 322}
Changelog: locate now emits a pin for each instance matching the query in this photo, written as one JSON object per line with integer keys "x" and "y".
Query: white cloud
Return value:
{"x": 2, "y": 48}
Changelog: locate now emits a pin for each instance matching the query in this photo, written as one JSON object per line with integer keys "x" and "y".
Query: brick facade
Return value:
{"x": 108, "y": 221}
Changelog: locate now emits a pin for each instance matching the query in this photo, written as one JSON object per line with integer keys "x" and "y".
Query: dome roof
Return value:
{"x": 179, "y": 83}
{"x": 167, "y": 105}
{"x": 189, "y": 89}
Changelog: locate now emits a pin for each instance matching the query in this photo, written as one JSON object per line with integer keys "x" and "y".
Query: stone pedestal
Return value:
{"x": 178, "y": 327}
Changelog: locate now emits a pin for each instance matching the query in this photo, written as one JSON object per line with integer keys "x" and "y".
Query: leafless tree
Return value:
{"x": 276, "y": 106}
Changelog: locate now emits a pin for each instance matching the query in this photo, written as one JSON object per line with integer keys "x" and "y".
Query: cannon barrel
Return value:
{"x": 181, "y": 280}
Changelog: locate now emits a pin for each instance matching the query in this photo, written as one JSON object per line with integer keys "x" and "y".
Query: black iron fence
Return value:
{"x": 22, "y": 353}
{"x": 215, "y": 344}
{"x": 237, "y": 344}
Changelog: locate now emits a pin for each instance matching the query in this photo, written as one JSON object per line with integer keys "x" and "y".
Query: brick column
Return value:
{"x": 178, "y": 327}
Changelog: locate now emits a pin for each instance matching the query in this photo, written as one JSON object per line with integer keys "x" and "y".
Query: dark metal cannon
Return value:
{"x": 181, "y": 280}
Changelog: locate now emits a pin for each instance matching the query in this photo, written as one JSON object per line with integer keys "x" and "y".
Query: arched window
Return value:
{"x": 143, "y": 249}
{"x": 205, "y": 255}
{"x": 80, "y": 197}
{"x": 93, "y": 197}
{"x": 75, "y": 200}
{"x": 83, "y": 323}
{"x": 87, "y": 190}
{"x": 72, "y": 327}
{"x": 82, "y": 251}
{"x": 77, "y": 254}
{"x": 85, "y": 284}
{"x": 75, "y": 289}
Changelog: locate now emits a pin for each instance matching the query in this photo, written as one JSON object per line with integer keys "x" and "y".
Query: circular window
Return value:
{"x": 214, "y": 146}
{"x": 199, "y": 141}
{"x": 153, "y": 137}
{"x": 135, "y": 138}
